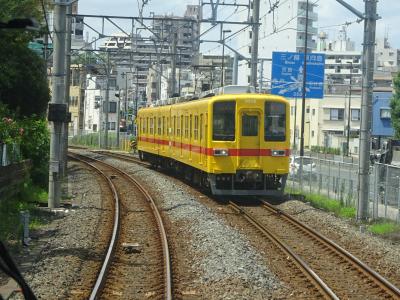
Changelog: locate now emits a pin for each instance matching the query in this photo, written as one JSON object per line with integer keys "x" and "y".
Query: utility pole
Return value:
{"x": 254, "y": 43}
{"x": 57, "y": 107}
{"x": 223, "y": 57}
{"x": 173, "y": 65}
{"x": 235, "y": 68}
{"x": 107, "y": 102}
{"x": 349, "y": 111}
{"x": 64, "y": 147}
{"x": 260, "y": 80}
{"x": 366, "y": 107}
{"x": 303, "y": 102}
{"x": 180, "y": 70}
{"x": 295, "y": 123}
{"x": 370, "y": 16}
{"x": 118, "y": 117}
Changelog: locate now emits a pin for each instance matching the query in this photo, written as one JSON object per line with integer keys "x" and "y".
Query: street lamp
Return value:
{"x": 223, "y": 55}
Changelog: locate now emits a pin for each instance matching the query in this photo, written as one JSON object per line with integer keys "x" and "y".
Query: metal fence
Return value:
{"x": 339, "y": 180}
{"x": 97, "y": 140}
{"x": 9, "y": 153}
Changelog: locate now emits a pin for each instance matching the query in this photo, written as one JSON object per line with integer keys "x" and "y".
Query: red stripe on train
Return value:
{"x": 210, "y": 151}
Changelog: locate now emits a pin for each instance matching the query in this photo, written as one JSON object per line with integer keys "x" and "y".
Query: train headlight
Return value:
{"x": 221, "y": 152}
{"x": 278, "y": 152}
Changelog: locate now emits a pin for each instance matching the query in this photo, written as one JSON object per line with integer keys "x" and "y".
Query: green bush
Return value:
{"x": 327, "y": 150}
{"x": 35, "y": 145}
{"x": 10, "y": 208}
{"x": 383, "y": 227}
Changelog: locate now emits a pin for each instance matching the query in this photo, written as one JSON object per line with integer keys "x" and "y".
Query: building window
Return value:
{"x": 307, "y": 110}
{"x": 355, "y": 114}
{"x": 385, "y": 113}
{"x": 111, "y": 126}
{"x": 113, "y": 107}
{"x": 336, "y": 114}
{"x": 313, "y": 111}
{"x": 250, "y": 34}
{"x": 312, "y": 133}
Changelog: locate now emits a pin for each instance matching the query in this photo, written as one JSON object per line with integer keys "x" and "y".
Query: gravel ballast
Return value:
{"x": 212, "y": 259}
{"x": 67, "y": 251}
{"x": 218, "y": 261}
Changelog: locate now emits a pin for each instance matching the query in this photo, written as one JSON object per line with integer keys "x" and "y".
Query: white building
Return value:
{"x": 326, "y": 121}
{"x": 342, "y": 63}
{"x": 387, "y": 59}
{"x": 95, "y": 95}
{"x": 282, "y": 31}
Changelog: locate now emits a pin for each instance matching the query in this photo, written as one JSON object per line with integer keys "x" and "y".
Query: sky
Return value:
{"x": 331, "y": 15}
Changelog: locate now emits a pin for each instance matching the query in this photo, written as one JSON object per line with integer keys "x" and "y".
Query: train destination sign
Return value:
{"x": 287, "y": 74}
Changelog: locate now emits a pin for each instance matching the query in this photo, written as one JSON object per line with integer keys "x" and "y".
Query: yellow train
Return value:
{"x": 232, "y": 144}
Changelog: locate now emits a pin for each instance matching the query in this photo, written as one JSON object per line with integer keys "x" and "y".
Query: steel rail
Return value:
{"x": 377, "y": 278}
{"x": 160, "y": 224}
{"x": 124, "y": 157}
{"x": 110, "y": 251}
{"x": 312, "y": 276}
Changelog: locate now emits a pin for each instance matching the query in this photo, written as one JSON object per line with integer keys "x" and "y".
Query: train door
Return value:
{"x": 249, "y": 139}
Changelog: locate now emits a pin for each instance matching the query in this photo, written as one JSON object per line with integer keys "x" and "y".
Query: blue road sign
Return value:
{"x": 287, "y": 74}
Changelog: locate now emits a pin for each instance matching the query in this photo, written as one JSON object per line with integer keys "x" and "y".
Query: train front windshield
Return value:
{"x": 224, "y": 121}
{"x": 275, "y": 121}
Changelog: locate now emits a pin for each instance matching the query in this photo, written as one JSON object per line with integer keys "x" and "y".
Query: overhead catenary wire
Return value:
{"x": 45, "y": 19}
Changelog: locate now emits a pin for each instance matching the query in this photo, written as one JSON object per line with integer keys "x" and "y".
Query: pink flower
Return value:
{"x": 21, "y": 131}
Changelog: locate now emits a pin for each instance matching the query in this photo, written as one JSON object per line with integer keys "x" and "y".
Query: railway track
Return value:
{"x": 336, "y": 273}
{"x": 125, "y": 157}
{"x": 344, "y": 276}
{"x": 142, "y": 269}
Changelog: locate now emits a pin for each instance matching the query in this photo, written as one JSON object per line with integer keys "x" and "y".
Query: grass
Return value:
{"x": 384, "y": 228}
{"x": 331, "y": 205}
{"x": 10, "y": 207}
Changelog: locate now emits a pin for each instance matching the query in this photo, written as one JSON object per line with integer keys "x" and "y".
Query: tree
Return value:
{"x": 395, "y": 106}
{"x": 23, "y": 78}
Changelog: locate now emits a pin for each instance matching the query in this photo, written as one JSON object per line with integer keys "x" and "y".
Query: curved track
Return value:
{"x": 125, "y": 157}
{"x": 110, "y": 256}
{"x": 340, "y": 274}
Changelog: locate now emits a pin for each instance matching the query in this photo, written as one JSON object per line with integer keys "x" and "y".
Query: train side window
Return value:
{"x": 201, "y": 127}
{"x": 224, "y": 121}
{"x": 159, "y": 126}
{"x": 190, "y": 127}
{"x": 163, "y": 125}
{"x": 186, "y": 126}
{"x": 275, "y": 121}
{"x": 178, "y": 127}
{"x": 174, "y": 129}
{"x": 181, "y": 127}
{"x": 146, "y": 124}
{"x": 151, "y": 126}
{"x": 196, "y": 128}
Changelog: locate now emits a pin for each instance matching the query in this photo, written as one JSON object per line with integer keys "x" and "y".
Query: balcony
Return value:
{"x": 311, "y": 30}
{"x": 311, "y": 15}
{"x": 310, "y": 44}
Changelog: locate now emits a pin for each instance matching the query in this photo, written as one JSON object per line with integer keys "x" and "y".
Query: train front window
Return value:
{"x": 275, "y": 121}
{"x": 224, "y": 121}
